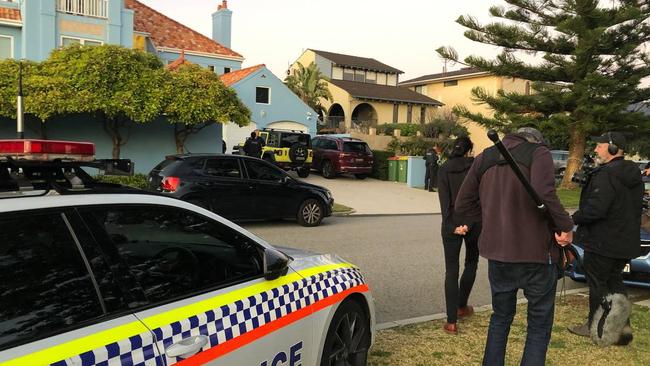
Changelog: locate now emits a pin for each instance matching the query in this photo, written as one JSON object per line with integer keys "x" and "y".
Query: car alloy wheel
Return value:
{"x": 348, "y": 338}
{"x": 327, "y": 170}
{"x": 311, "y": 213}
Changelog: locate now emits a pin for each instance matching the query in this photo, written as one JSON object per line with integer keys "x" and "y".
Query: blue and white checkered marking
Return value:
{"x": 222, "y": 324}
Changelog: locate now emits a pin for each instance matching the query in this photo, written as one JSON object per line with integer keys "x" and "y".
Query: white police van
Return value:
{"x": 99, "y": 274}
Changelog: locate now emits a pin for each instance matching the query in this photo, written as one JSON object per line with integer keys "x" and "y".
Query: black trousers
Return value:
{"x": 431, "y": 178}
{"x": 604, "y": 277}
{"x": 456, "y": 295}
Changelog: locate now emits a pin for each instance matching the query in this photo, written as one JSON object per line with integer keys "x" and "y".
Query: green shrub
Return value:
{"x": 136, "y": 181}
{"x": 406, "y": 129}
{"x": 380, "y": 164}
{"x": 386, "y": 129}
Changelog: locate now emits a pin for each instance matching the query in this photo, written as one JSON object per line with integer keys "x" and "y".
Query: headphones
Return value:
{"x": 612, "y": 149}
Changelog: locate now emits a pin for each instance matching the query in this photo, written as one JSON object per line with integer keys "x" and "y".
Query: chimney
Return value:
{"x": 222, "y": 24}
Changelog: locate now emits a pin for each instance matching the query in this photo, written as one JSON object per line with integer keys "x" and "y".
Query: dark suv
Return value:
{"x": 241, "y": 188}
{"x": 337, "y": 155}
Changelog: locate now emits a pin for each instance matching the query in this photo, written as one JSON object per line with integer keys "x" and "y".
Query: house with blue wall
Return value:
{"x": 272, "y": 104}
{"x": 31, "y": 29}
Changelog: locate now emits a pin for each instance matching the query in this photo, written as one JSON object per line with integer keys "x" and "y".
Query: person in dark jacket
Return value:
{"x": 450, "y": 177}
{"x": 516, "y": 240}
{"x": 608, "y": 219}
{"x": 431, "y": 173}
{"x": 253, "y": 145}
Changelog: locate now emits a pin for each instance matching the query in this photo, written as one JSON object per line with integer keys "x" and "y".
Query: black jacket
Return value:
{"x": 253, "y": 147}
{"x": 450, "y": 177}
{"x": 431, "y": 160}
{"x": 609, "y": 218}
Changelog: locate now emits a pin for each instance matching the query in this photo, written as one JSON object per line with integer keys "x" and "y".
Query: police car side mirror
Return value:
{"x": 276, "y": 264}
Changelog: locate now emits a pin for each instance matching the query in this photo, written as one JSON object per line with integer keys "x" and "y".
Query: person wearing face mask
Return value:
{"x": 608, "y": 219}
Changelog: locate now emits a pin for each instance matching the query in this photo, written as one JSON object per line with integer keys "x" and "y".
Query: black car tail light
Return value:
{"x": 170, "y": 184}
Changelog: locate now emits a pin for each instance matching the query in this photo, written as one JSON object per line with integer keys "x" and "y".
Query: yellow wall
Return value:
{"x": 305, "y": 59}
{"x": 461, "y": 95}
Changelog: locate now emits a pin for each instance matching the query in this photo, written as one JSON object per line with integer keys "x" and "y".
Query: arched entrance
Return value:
{"x": 335, "y": 116}
{"x": 364, "y": 116}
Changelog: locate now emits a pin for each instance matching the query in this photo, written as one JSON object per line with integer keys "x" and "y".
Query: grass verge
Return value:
{"x": 570, "y": 198}
{"x": 341, "y": 209}
{"x": 427, "y": 344}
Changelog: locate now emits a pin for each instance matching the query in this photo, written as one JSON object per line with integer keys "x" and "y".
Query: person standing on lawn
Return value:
{"x": 516, "y": 239}
{"x": 608, "y": 219}
{"x": 450, "y": 177}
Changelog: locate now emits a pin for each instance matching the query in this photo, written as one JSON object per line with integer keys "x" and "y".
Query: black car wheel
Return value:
{"x": 328, "y": 170}
{"x": 361, "y": 176}
{"x": 303, "y": 172}
{"x": 310, "y": 213}
{"x": 348, "y": 337}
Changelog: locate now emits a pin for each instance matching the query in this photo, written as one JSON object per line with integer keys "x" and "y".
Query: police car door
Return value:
{"x": 59, "y": 304}
{"x": 208, "y": 302}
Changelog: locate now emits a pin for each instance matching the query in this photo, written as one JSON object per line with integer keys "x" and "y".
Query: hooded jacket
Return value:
{"x": 514, "y": 230}
{"x": 609, "y": 217}
{"x": 450, "y": 177}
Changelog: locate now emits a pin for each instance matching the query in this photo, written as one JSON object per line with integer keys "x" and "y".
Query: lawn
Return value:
{"x": 427, "y": 344}
{"x": 339, "y": 208}
{"x": 570, "y": 198}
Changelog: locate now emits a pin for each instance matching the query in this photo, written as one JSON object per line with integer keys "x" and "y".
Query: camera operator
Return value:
{"x": 608, "y": 221}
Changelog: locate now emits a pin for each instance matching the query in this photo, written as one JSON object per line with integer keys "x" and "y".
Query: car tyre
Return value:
{"x": 311, "y": 213}
{"x": 328, "y": 170}
{"x": 348, "y": 337}
{"x": 303, "y": 172}
{"x": 361, "y": 176}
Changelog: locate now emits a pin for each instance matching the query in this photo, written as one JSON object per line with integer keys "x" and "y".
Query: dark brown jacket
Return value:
{"x": 514, "y": 231}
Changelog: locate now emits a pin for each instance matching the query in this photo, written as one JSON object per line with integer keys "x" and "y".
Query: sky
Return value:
{"x": 403, "y": 34}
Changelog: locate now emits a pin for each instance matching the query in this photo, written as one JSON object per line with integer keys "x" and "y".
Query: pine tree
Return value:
{"x": 590, "y": 62}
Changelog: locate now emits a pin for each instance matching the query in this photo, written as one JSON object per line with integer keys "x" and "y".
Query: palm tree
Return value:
{"x": 310, "y": 85}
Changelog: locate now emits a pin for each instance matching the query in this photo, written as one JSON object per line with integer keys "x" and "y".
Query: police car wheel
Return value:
{"x": 310, "y": 213}
{"x": 348, "y": 337}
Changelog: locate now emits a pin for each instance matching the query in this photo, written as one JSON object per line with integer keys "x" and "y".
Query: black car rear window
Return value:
{"x": 165, "y": 163}
{"x": 356, "y": 147}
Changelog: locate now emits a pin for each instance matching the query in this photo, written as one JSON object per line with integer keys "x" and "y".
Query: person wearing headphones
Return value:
{"x": 608, "y": 219}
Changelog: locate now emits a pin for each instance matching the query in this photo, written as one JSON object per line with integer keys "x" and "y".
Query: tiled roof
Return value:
{"x": 384, "y": 92}
{"x": 10, "y": 14}
{"x": 444, "y": 75}
{"x": 166, "y": 32}
{"x": 358, "y": 62}
{"x": 181, "y": 60}
{"x": 234, "y": 77}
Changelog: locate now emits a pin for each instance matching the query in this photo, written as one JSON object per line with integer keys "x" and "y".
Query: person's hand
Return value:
{"x": 461, "y": 230}
{"x": 564, "y": 238}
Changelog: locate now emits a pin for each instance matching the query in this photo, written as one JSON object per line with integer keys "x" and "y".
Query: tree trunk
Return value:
{"x": 179, "y": 138}
{"x": 112, "y": 129}
{"x": 577, "y": 147}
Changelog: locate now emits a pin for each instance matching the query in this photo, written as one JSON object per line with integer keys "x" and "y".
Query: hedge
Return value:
{"x": 136, "y": 181}
{"x": 380, "y": 164}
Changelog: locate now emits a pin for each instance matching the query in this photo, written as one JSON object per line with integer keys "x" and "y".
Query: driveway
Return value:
{"x": 377, "y": 197}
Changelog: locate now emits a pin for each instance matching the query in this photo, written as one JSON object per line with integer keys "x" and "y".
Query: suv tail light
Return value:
{"x": 45, "y": 150}
{"x": 170, "y": 184}
{"x": 345, "y": 155}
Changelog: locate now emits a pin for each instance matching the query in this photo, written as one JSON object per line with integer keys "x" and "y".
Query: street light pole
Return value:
{"x": 20, "y": 117}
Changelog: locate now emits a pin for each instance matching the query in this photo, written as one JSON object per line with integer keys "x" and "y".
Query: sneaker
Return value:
{"x": 465, "y": 311}
{"x": 451, "y": 328}
{"x": 581, "y": 330}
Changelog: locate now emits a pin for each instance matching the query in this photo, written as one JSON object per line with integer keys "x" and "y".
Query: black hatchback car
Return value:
{"x": 241, "y": 188}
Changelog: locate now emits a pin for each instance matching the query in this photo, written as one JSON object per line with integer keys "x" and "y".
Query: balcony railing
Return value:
{"x": 90, "y": 8}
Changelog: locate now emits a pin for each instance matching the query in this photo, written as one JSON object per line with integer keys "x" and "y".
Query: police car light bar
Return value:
{"x": 47, "y": 150}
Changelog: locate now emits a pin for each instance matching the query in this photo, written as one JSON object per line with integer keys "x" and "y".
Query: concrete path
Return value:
{"x": 376, "y": 197}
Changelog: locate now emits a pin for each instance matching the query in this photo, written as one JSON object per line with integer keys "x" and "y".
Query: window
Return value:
{"x": 45, "y": 285}
{"x": 65, "y": 41}
{"x": 371, "y": 77}
{"x": 174, "y": 252}
{"x": 419, "y": 89}
{"x": 450, "y": 83}
{"x": 226, "y": 70}
{"x": 211, "y": 68}
{"x": 262, "y": 95}
{"x": 6, "y": 47}
{"x": 348, "y": 74}
{"x": 356, "y": 147}
{"x": 360, "y": 76}
{"x": 289, "y": 139}
{"x": 316, "y": 143}
{"x": 331, "y": 145}
{"x": 228, "y": 168}
{"x": 263, "y": 171}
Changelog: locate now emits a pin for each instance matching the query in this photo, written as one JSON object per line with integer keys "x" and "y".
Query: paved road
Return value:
{"x": 401, "y": 257}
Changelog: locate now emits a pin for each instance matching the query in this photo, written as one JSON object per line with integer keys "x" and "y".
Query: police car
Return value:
{"x": 98, "y": 274}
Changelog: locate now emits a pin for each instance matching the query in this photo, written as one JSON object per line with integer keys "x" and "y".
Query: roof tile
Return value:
{"x": 384, "y": 92}
{"x": 10, "y": 14}
{"x": 358, "y": 62}
{"x": 166, "y": 32}
{"x": 234, "y": 77}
